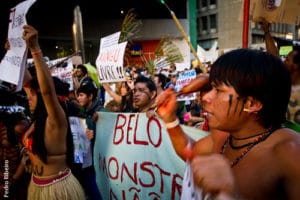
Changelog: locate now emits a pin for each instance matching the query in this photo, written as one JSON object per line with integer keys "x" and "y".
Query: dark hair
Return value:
{"x": 149, "y": 82}
{"x": 7, "y": 97}
{"x": 296, "y": 58}
{"x": 198, "y": 70}
{"x": 127, "y": 100}
{"x": 259, "y": 75}
{"x": 161, "y": 79}
{"x": 88, "y": 87}
{"x": 83, "y": 69}
{"x": 61, "y": 87}
{"x": 10, "y": 120}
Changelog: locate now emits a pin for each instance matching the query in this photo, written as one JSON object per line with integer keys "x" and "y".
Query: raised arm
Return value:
{"x": 269, "y": 41}
{"x": 167, "y": 104}
{"x": 113, "y": 94}
{"x": 56, "y": 115}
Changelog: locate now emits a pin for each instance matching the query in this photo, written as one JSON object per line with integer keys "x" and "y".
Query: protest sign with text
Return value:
{"x": 184, "y": 78}
{"x": 134, "y": 158}
{"x": 110, "y": 59}
{"x": 13, "y": 63}
{"x": 64, "y": 73}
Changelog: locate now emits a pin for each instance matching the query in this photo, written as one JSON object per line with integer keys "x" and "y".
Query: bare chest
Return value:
{"x": 258, "y": 176}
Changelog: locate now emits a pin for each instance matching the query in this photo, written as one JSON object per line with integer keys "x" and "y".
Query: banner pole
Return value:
{"x": 202, "y": 67}
{"x": 246, "y": 24}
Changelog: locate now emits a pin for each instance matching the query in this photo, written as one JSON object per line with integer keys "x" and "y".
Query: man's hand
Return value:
{"x": 213, "y": 174}
{"x": 166, "y": 104}
{"x": 89, "y": 134}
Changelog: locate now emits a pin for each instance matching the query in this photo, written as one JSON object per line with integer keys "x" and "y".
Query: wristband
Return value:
{"x": 35, "y": 53}
{"x": 172, "y": 124}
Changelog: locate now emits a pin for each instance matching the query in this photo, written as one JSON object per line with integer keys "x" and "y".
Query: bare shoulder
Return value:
{"x": 286, "y": 145}
{"x": 286, "y": 138}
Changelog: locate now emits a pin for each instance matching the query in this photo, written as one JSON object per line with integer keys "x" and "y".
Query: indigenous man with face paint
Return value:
{"x": 249, "y": 98}
{"x": 144, "y": 93}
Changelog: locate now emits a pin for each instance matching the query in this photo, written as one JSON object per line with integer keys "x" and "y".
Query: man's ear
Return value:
{"x": 153, "y": 95}
{"x": 252, "y": 105}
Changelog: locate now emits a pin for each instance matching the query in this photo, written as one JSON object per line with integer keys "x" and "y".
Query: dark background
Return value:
{"x": 50, "y": 17}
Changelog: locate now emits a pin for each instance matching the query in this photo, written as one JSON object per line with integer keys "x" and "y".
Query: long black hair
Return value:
{"x": 39, "y": 117}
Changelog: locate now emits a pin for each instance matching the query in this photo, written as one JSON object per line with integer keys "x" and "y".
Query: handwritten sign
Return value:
{"x": 110, "y": 40}
{"x": 183, "y": 79}
{"x": 110, "y": 60}
{"x": 13, "y": 63}
{"x": 134, "y": 158}
{"x": 64, "y": 73}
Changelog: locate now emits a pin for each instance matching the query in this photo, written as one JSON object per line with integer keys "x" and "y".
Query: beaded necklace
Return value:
{"x": 247, "y": 144}
{"x": 251, "y": 136}
{"x": 257, "y": 140}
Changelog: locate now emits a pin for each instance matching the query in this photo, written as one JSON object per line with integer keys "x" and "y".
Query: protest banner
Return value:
{"x": 134, "y": 157}
{"x": 275, "y": 11}
{"x": 13, "y": 63}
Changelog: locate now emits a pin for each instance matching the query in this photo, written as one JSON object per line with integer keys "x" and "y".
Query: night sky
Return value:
{"x": 48, "y": 15}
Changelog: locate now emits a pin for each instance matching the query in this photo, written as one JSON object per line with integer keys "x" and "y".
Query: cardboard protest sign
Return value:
{"x": 275, "y": 11}
{"x": 12, "y": 65}
{"x": 134, "y": 157}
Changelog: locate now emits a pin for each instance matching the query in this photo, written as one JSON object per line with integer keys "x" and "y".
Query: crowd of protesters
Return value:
{"x": 36, "y": 138}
